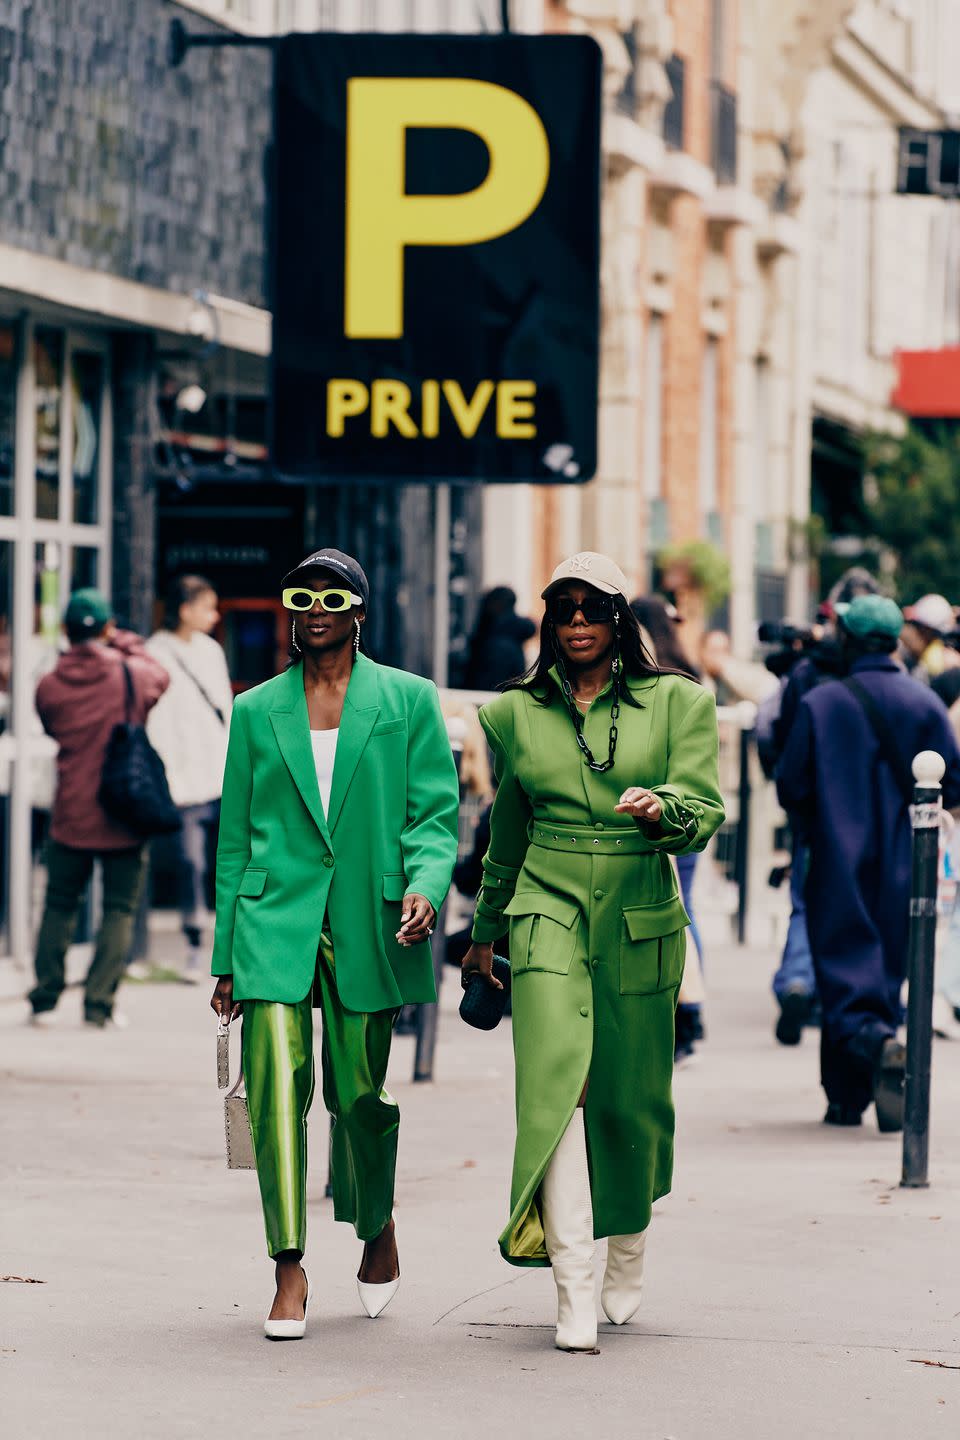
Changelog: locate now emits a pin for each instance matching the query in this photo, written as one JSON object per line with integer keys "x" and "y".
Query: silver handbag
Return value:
{"x": 235, "y": 1114}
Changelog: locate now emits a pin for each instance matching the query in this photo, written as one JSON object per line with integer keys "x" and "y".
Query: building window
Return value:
{"x": 6, "y": 656}
{"x": 626, "y": 100}
{"x": 8, "y": 413}
{"x": 723, "y": 101}
{"x": 653, "y": 434}
{"x": 709, "y": 484}
{"x": 770, "y": 596}
{"x": 47, "y": 382}
{"x": 673, "y": 116}
{"x": 86, "y": 370}
{"x": 6, "y": 702}
{"x": 723, "y": 133}
{"x": 851, "y": 215}
{"x": 54, "y": 411}
{"x": 763, "y": 501}
{"x": 718, "y": 40}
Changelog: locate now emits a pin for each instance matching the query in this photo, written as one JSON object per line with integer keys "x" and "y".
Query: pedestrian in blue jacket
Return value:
{"x": 846, "y": 772}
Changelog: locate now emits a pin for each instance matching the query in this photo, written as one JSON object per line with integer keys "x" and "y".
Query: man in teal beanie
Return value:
{"x": 846, "y": 773}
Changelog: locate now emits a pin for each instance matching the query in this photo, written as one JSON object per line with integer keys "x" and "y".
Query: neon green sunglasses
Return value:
{"x": 295, "y": 597}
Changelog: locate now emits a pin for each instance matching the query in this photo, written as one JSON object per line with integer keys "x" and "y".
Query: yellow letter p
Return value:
{"x": 382, "y": 219}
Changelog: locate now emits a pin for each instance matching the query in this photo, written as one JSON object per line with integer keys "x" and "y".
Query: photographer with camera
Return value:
{"x": 808, "y": 655}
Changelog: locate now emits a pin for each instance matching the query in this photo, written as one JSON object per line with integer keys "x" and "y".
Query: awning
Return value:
{"x": 928, "y": 383}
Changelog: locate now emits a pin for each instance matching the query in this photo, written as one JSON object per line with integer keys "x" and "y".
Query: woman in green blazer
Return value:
{"x": 607, "y": 768}
{"x": 338, "y": 837}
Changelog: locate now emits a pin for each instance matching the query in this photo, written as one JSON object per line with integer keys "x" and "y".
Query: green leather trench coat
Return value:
{"x": 282, "y": 864}
{"x": 597, "y": 940}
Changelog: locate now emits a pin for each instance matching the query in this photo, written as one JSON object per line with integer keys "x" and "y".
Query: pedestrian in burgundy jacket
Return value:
{"x": 79, "y": 703}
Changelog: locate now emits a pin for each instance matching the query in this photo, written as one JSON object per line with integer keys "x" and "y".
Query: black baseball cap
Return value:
{"x": 340, "y": 564}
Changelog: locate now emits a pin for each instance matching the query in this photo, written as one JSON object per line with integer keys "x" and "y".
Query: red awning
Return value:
{"x": 928, "y": 383}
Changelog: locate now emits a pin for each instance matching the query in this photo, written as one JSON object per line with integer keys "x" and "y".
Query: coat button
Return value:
{"x": 328, "y": 861}
{"x": 598, "y": 894}
{"x": 584, "y": 1012}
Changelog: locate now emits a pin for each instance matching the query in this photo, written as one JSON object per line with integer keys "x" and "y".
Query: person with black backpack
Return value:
{"x": 845, "y": 772}
{"x": 94, "y": 704}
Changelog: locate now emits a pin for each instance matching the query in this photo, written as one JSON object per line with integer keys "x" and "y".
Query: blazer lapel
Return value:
{"x": 360, "y": 710}
{"x": 291, "y": 725}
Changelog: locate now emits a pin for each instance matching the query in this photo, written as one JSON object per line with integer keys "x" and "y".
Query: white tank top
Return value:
{"x": 324, "y": 744}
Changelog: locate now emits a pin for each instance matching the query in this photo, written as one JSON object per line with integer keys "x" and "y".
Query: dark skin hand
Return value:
{"x": 588, "y": 655}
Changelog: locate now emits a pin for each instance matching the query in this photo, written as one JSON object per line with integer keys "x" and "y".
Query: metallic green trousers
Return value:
{"x": 278, "y": 1074}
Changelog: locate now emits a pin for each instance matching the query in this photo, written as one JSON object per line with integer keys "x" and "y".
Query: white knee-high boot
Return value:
{"x": 568, "y": 1232}
{"x": 623, "y": 1277}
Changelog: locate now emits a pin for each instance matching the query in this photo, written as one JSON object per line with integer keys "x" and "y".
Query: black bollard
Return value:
{"x": 928, "y": 768}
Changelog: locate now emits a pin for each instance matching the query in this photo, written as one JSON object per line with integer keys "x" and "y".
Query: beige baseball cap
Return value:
{"x": 592, "y": 569}
{"x": 934, "y": 612}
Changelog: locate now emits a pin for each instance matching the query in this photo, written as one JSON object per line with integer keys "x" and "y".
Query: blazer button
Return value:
{"x": 584, "y": 1012}
{"x": 598, "y": 894}
{"x": 328, "y": 861}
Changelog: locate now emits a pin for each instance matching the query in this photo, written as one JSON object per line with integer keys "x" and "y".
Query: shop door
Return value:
{"x": 55, "y": 513}
{"x": 255, "y": 635}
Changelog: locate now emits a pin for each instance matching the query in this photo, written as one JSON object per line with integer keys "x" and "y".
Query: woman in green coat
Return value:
{"x": 607, "y": 767}
{"x": 338, "y": 837}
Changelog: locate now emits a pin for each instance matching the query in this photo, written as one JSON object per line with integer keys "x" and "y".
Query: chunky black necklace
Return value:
{"x": 616, "y": 672}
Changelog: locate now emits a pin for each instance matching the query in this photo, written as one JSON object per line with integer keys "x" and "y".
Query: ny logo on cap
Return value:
{"x": 581, "y": 562}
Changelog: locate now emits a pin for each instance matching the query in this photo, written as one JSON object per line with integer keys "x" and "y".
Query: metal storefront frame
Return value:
{"x": 29, "y": 751}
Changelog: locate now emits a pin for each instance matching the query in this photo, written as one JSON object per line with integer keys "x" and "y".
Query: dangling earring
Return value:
{"x": 356, "y": 639}
{"x": 295, "y": 643}
{"x": 617, "y": 662}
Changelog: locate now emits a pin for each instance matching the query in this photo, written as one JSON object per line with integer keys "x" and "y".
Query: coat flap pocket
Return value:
{"x": 252, "y": 883}
{"x": 394, "y": 887}
{"x": 647, "y": 922}
{"x": 388, "y": 727}
{"x": 565, "y": 912}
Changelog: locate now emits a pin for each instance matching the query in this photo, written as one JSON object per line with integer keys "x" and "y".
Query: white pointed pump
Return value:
{"x": 623, "y": 1278}
{"x": 376, "y": 1298}
{"x": 289, "y": 1329}
{"x": 568, "y": 1233}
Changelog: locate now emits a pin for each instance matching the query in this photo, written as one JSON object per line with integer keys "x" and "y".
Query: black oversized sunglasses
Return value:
{"x": 595, "y": 609}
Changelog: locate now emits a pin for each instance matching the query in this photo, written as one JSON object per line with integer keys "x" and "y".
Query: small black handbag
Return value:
{"x": 133, "y": 785}
{"x": 483, "y": 1005}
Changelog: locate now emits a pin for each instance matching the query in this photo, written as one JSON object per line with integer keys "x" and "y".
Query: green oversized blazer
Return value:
{"x": 283, "y": 865}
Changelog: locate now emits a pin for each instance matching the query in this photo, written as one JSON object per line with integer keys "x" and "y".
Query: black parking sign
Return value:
{"x": 435, "y": 257}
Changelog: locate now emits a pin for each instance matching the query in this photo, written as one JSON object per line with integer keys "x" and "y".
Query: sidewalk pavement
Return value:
{"x": 792, "y": 1287}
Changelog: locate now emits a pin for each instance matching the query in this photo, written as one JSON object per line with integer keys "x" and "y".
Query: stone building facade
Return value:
{"x": 134, "y": 339}
{"x": 759, "y": 276}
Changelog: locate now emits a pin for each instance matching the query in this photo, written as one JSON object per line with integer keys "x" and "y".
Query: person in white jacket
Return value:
{"x": 189, "y": 731}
